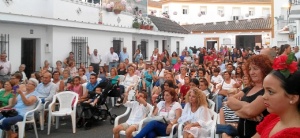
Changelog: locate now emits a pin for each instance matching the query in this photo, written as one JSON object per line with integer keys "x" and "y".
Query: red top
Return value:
{"x": 183, "y": 90}
{"x": 266, "y": 126}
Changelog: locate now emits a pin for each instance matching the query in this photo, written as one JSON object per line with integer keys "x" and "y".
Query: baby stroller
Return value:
{"x": 100, "y": 111}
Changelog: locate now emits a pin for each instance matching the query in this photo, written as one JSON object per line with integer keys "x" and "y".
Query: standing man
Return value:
{"x": 5, "y": 68}
{"x": 124, "y": 54}
{"x": 112, "y": 59}
{"x": 95, "y": 59}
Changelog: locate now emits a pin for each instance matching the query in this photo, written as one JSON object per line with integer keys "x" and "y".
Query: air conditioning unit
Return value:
{"x": 235, "y": 17}
{"x": 268, "y": 15}
{"x": 241, "y": 17}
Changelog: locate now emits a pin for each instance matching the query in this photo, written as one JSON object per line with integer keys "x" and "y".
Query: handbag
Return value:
{"x": 157, "y": 118}
{"x": 9, "y": 112}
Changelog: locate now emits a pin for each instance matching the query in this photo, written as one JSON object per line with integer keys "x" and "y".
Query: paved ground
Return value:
{"x": 101, "y": 129}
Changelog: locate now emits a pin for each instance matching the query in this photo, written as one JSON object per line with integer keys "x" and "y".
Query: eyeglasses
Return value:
{"x": 31, "y": 84}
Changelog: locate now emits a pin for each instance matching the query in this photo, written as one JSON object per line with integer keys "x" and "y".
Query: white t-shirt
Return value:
{"x": 138, "y": 111}
{"x": 228, "y": 86}
{"x": 297, "y": 55}
{"x": 168, "y": 112}
{"x": 217, "y": 79}
{"x": 130, "y": 81}
{"x": 160, "y": 73}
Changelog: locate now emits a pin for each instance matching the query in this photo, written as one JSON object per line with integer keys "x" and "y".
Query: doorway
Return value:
{"x": 210, "y": 44}
{"x": 133, "y": 49}
{"x": 248, "y": 41}
{"x": 164, "y": 43}
{"x": 28, "y": 55}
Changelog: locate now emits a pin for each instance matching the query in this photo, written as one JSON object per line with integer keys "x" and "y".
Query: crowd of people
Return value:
{"x": 255, "y": 91}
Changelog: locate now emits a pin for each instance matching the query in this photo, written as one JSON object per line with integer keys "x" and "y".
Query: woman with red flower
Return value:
{"x": 282, "y": 100}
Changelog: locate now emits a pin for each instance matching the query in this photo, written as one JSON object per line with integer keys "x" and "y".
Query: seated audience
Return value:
{"x": 170, "y": 110}
{"x": 197, "y": 118}
{"x": 7, "y": 96}
{"x": 25, "y": 102}
{"x": 139, "y": 110}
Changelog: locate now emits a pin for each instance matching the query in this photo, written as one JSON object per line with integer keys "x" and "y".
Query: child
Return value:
{"x": 94, "y": 99}
{"x": 216, "y": 78}
{"x": 140, "y": 109}
{"x": 77, "y": 88}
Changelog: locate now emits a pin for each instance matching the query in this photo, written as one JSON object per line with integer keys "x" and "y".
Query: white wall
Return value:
{"x": 17, "y": 32}
{"x": 279, "y": 37}
{"x": 212, "y": 11}
{"x": 198, "y": 40}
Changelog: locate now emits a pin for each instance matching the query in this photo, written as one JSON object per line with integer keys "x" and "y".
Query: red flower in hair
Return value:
{"x": 280, "y": 62}
{"x": 285, "y": 64}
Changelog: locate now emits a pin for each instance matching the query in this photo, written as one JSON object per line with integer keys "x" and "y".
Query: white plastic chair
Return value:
{"x": 140, "y": 124}
{"x": 212, "y": 130}
{"x": 211, "y": 104}
{"x": 28, "y": 118}
{"x": 66, "y": 107}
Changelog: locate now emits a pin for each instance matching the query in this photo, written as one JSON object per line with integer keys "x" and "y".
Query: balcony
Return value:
{"x": 294, "y": 10}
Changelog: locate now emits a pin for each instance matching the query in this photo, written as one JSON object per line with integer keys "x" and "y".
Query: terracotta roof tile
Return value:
{"x": 253, "y": 24}
{"x": 166, "y": 25}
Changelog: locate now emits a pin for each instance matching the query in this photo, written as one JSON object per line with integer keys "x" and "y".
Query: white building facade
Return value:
{"x": 33, "y": 31}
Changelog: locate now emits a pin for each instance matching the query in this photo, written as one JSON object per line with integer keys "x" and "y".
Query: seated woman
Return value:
{"x": 170, "y": 110}
{"x": 147, "y": 77}
{"x": 249, "y": 103}
{"x": 281, "y": 98}
{"x": 131, "y": 80}
{"x": 6, "y": 95}
{"x": 122, "y": 69}
{"x": 197, "y": 118}
{"x": 228, "y": 120}
{"x": 25, "y": 102}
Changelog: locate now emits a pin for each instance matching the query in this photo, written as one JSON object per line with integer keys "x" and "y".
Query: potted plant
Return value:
{"x": 135, "y": 23}
{"x": 119, "y": 6}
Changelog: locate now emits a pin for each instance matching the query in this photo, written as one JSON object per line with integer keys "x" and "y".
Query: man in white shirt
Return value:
{"x": 95, "y": 59}
{"x": 140, "y": 109}
{"x": 112, "y": 59}
{"x": 5, "y": 68}
{"x": 124, "y": 54}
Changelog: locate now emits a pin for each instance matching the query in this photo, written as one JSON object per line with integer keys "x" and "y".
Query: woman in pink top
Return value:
{"x": 177, "y": 66}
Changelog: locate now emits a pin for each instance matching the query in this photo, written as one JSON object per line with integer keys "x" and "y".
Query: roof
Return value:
{"x": 155, "y": 4}
{"x": 253, "y": 24}
{"x": 166, "y": 25}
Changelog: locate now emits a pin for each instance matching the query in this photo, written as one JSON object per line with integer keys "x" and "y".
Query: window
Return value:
{"x": 155, "y": 44}
{"x": 266, "y": 12}
{"x": 143, "y": 48}
{"x": 236, "y": 11}
{"x": 251, "y": 11}
{"x": 185, "y": 9}
{"x": 79, "y": 47}
{"x": 177, "y": 47}
{"x": 4, "y": 43}
{"x": 235, "y": 17}
{"x": 221, "y": 11}
{"x": 203, "y": 10}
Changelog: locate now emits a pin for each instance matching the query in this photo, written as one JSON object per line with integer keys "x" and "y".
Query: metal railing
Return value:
{"x": 79, "y": 47}
{"x": 4, "y": 44}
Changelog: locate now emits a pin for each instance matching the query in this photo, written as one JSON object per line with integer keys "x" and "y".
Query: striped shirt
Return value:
{"x": 230, "y": 116}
